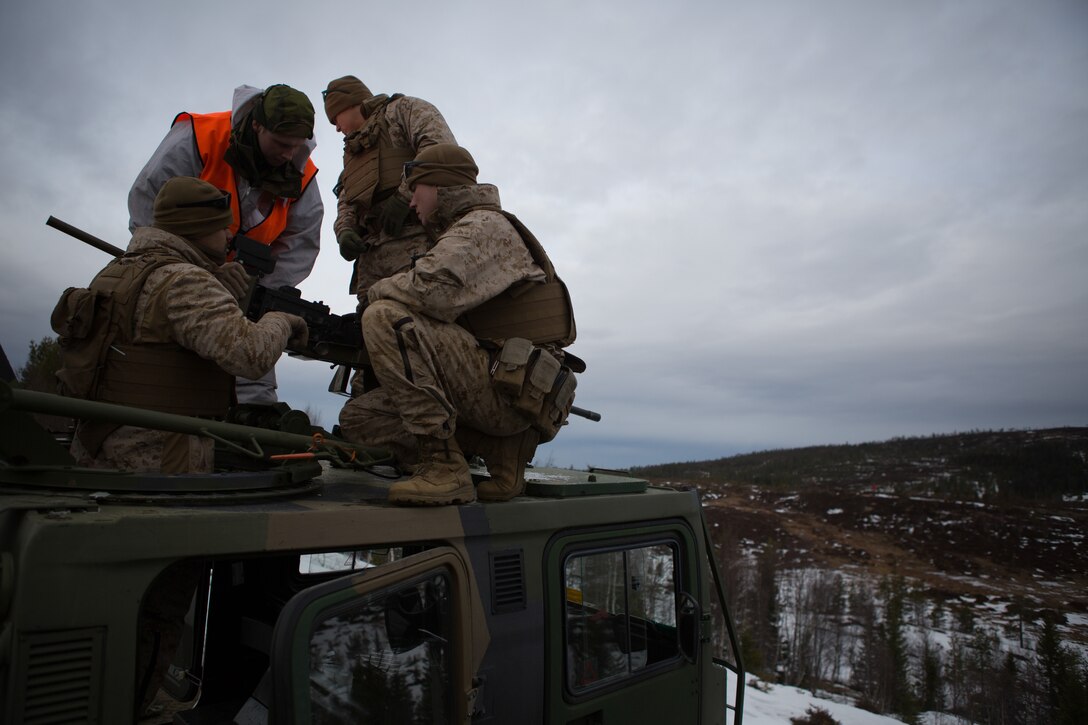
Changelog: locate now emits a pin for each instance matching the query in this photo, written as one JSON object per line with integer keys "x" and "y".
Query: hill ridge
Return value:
{"x": 1028, "y": 464}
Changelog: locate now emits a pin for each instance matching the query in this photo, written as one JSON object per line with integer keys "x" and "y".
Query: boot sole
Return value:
{"x": 497, "y": 496}
{"x": 420, "y": 499}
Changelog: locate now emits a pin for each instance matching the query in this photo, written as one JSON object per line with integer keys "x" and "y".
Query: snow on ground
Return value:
{"x": 941, "y": 718}
{"x": 767, "y": 704}
{"x": 780, "y": 702}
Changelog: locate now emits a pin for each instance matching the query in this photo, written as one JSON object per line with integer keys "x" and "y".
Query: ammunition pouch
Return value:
{"x": 537, "y": 384}
{"x": 511, "y": 366}
{"x": 556, "y": 406}
{"x": 74, "y": 319}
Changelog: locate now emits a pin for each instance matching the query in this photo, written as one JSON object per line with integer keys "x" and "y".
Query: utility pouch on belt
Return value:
{"x": 73, "y": 316}
{"x": 543, "y": 369}
{"x": 537, "y": 383}
{"x": 556, "y": 406}
{"x": 77, "y": 317}
{"x": 509, "y": 371}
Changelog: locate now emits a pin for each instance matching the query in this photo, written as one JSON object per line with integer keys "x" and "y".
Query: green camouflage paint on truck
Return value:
{"x": 591, "y": 599}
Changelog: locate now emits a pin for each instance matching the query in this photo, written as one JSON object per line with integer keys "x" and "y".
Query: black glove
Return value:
{"x": 351, "y": 244}
{"x": 394, "y": 213}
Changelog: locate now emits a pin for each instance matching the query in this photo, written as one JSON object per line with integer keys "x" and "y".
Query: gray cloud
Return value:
{"x": 782, "y": 224}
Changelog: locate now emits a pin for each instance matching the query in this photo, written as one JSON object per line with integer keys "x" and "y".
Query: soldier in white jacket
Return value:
{"x": 260, "y": 153}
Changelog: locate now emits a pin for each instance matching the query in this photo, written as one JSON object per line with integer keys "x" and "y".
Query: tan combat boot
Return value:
{"x": 506, "y": 458}
{"x": 441, "y": 477}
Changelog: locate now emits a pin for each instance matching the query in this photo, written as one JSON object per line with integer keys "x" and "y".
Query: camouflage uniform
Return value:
{"x": 433, "y": 372}
{"x": 183, "y": 303}
{"x": 409, "y": 124}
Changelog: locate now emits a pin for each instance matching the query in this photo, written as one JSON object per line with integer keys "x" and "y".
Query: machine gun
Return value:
{"x": 336, "y": 339}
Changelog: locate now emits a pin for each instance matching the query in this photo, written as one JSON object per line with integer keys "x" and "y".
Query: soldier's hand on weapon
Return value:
{"x": 395, "y": 212}
{"x": 232, "y": 275}
{"x": 351, "y": 244}
{"x": 300, "y": 331}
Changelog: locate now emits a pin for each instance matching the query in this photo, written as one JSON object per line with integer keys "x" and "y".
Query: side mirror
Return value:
{"x": 688, "y": 627}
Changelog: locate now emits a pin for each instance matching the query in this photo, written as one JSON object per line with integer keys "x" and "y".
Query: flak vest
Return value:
{"x": 540, "y": 312}
{"x": 100, "y": 361}
{"x": 372, "y": 164}
{"x": 211, "y": 133}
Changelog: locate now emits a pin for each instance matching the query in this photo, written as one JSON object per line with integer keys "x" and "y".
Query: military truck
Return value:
{"x": 294, "y": 593}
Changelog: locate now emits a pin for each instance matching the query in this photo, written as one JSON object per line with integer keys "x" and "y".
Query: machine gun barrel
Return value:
{"x": 582, "y": 412}
{"x": 30, "y": 401}
{"x": 84, "y": 236}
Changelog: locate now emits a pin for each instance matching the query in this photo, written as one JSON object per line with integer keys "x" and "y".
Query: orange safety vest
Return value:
{"x": 211, "y": 132}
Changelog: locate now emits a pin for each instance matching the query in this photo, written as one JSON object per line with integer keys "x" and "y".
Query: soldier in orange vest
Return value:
{"x": 260, "y": 153}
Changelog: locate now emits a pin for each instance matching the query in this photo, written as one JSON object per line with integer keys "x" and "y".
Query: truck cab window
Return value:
{"x": 387, "y": 659}
{"x": 620, "y": 613}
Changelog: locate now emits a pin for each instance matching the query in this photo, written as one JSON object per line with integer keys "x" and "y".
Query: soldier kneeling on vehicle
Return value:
{"x": 467, "y": 345}
{"x": 157, "y": 329}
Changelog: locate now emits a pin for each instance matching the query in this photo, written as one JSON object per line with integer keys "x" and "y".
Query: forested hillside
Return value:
{"x": 946, "y": 573}
{"x": 1025, "y": 464}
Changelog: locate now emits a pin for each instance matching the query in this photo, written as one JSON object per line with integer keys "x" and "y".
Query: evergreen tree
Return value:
{"x": 1064, "y": 676}
{"x": 43, "y": 361}
{"x": 901, "y": 698}
{"x": 39, "y": 374}
{"x": 1009, "y": 706}
{"x": 1049, "y": 656}
{"x": 956, "y": 678}
{"x": 983, "y": 676}
{"x": 869, "y": 661}
{"x": 767, "y": 605}
{"x": 931, "y": 686}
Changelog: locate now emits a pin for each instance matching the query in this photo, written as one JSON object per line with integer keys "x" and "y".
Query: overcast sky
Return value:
{"x": 782, "y": 223}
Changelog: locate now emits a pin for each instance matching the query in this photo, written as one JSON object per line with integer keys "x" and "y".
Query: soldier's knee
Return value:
{"x": 383, "y": 315}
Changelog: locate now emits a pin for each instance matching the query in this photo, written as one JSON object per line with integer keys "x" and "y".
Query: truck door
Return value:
{"x": 623, "y": 620}
{"x": 386, "y": 645}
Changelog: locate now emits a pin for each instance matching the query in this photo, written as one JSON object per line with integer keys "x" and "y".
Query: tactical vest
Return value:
{"x": 100, "y": 361}
{"x": 537, "y": 311}
{"x": 211, "y": 133}
{"x": 373, "y": 166}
